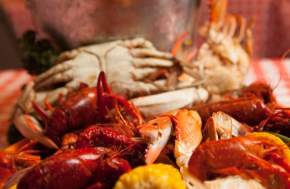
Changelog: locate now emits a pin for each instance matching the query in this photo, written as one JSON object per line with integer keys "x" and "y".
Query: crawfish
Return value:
{"x": 16, "y": 157}
{"x": 279, "y": 118}
{"x": 88, "y": 106}
{"x": 278, "y": 122}
{"x": 76, "y": 169}
{"x": 254, "y": 105}
{"x": 244, "y": 156}
{"x": 260, "y": 90}
{"x": 111, "y": 136}
{"x": 247, "y": 110}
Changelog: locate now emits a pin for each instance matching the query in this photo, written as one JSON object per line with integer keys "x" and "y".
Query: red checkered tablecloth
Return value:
{"x": 10, "y": 85}
{"x": 275, "y": 72}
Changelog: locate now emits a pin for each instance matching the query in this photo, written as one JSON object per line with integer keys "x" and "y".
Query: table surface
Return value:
{"x": 275, "y": 72}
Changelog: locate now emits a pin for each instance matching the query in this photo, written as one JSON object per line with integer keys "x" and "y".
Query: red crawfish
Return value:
{"x": 97, "y": 168}
{"x": 254, "y": 105}
{"x": 246, "y": 110}
{"x": 248, "y": 157}
{"x": 88, "y": 106}
{"x": 16, "y": 157}
{"x": 111, "y": 136}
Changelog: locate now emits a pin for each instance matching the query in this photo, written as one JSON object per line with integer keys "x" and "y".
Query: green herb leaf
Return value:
{"x": 37, "y": 55}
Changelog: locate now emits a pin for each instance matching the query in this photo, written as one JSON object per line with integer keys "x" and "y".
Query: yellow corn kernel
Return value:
{"x": 154, "y": 176}
{"x": 13, "y": 187}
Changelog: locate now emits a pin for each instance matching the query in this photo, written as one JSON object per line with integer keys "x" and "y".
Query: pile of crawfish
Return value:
{"x": 98, "y": 136}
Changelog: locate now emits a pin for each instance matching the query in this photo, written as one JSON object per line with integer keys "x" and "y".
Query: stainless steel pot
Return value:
{"x": 77, "y": 22}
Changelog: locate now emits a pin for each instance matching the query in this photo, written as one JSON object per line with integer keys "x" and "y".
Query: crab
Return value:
{"x": 184, "y": 124}
{"x": 134, "y": 68}
{"x": 218, "y": 66}
{"x": 126, "y": 63}
{"x": 222, "y": 61}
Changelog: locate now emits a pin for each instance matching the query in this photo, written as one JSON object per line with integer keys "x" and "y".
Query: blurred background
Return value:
{"x": 271, "y": 26}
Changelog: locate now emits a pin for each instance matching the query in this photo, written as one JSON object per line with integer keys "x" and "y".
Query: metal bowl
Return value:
{"x": 78, "y": 22}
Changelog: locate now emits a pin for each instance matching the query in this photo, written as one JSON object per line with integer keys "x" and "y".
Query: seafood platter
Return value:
{"x": 125, "y": 115}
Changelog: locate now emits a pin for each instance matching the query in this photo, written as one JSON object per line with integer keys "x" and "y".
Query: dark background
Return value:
{"x": 8, "y": 51}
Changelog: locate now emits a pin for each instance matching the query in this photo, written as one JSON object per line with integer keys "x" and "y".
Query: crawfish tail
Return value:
{"x": 102, "y": 136}
{"x": 128, "y": 148}
{"x": 75, "y": 169}
{"x": 240, "y": 155}
{"x": 246, "y": 110}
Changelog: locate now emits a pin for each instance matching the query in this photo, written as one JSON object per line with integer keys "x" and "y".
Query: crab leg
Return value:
{"x": 157, "y": 133}
{"x": 29, "y": 127}
{"x": 169, "y": 101}
{"x": 218, "y": 11}
{"x": 138, "y": 42}
{"x": 23, "y": 102}
{"x": 188, "y": 135}
{"x": 230, "y": 26}
{"x": 141, "y": 74}
{"x": 150, "y": 52}
{"x": 145, "y": 62}
{"x": 242, "y": 23}
{"x": 248, "y": 40}
{"x": 179, "y": 43}
{"x": 222, "y": 126}
{"x": 58, "y": 69}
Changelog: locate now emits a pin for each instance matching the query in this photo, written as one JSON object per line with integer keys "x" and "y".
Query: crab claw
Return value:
{"x": 222, "y": 126}
{"x": 29, "y": 127}
{"x": 188, "y": 135}
{"x": 157, "y": 133}
{"x": 169, "y": 101}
